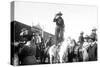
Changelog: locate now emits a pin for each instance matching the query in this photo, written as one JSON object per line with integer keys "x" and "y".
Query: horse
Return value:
{"x": 72, "y": 51}
{"x": 60, "y": 52}
{"x": 66, "y": 50}
{"x": 76, "y": 52}
{"x": 28, "y": 52}
{"x": 42, "y": 51}
{"x": 52, "y": 53}
{"x": 63, "y": 51}
{"x": 48, "y": 47}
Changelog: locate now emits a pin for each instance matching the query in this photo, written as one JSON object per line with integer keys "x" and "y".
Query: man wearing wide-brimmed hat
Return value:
{"x": 93, "y": 35}
{"x": 59, "y": 27}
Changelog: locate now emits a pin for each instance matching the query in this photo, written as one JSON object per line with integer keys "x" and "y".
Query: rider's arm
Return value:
{"x": 55, "y": 18}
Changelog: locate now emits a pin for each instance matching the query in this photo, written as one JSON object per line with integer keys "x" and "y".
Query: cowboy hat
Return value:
{"x": 59, "y": 14}
{"x": 94, "y": 29}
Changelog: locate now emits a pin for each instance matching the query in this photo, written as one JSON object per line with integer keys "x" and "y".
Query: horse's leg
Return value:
{"x": 60, "y": 59}
{"x": 85, "y": 55}
{"x": 77, "y": 59}
{"x": 50, "y": 56}
{"x": 50, "y": 59}
{"x": 44, "y": 57}
{"x": 41, "y": 58}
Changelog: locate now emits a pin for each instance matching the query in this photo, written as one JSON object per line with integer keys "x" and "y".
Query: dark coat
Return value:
{"x": 27, "y": 52}
{"x": 93, "y": 36}
{"x": 29, "y": 60}
{"x": 59, "y": 22}
{"x": 81, "y": 39}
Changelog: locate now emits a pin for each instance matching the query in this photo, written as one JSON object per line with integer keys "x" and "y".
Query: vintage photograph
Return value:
{"x": 49, "y": 33}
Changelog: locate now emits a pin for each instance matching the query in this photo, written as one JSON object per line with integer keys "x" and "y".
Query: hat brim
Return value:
{"x": 94, "y": 30}
{"x": 59, "y": 13}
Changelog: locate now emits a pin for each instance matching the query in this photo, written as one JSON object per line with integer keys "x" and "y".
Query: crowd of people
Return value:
{"x": 89, "y": 42}
{"x": 35, "y": 50}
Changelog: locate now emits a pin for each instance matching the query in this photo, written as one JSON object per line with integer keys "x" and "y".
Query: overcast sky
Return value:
{"x": 76, "y": 18}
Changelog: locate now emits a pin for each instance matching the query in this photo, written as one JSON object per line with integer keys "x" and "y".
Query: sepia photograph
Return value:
{"x": 50, "y": 33}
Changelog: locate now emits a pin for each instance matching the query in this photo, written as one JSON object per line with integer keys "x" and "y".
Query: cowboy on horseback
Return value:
{"x": 81, "y": 38}
{"x": 59, "y": 27}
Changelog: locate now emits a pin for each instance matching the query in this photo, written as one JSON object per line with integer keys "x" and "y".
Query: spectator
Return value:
{"x": 93, "y": 35}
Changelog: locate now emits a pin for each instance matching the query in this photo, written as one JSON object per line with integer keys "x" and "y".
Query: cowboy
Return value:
{"x": 93, "y": 35}
{"x": 59, "y": 27}
{"x": 81, "y": 38}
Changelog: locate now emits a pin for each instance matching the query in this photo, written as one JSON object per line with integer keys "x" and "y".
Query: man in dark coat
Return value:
{"x": 59, "y": 27}
{"x": 93, "y": 35}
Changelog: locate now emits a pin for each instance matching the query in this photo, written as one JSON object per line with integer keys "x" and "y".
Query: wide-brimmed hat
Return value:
{"x": 94, "y": 29}
{"x": 59, "y": 14}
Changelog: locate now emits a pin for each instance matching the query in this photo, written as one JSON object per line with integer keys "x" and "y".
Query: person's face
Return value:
{"x": 90, "y": 41}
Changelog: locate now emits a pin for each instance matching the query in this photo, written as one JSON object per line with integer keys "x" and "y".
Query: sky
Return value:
{"x": 77, "y": 18}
